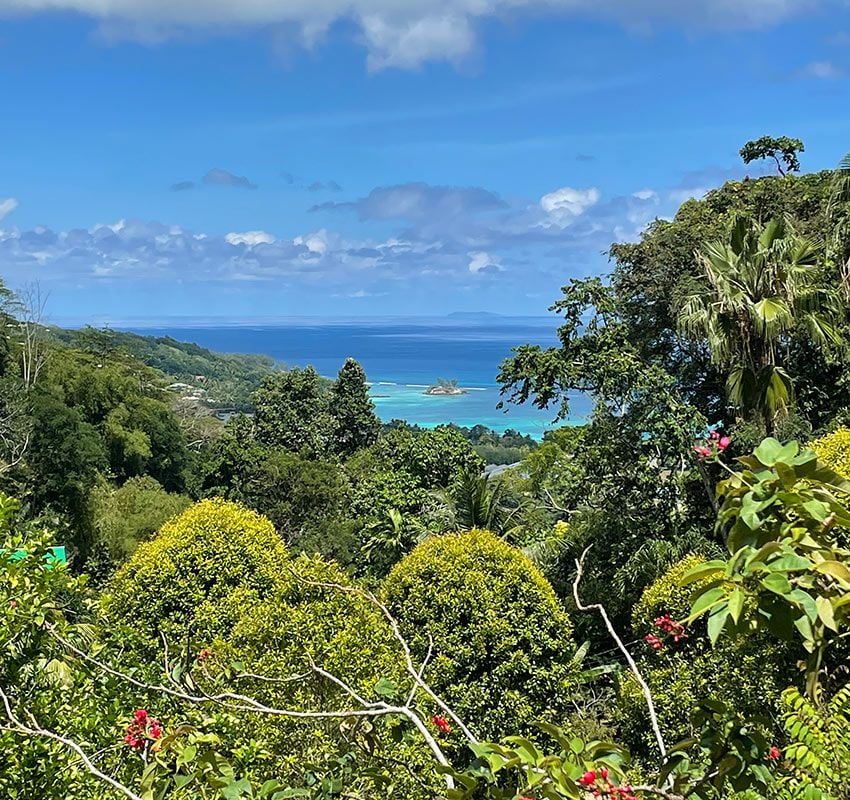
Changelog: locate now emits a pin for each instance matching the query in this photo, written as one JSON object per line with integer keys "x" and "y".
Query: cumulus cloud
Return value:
{"x": 7, "y": 206}
{"x": 564, "y": 205}
{"x": 433, "y": 235}
{"x": 404, "y": 33}
{"x": 221, "y": 177}
{"x": 250, "y": 238}
{"x": 418, "y": 201}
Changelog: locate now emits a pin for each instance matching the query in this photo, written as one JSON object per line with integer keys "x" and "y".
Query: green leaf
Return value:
{"x": 716, "y": 621}
{"x": 736, "y": 604}
{"x": 835, "y": 569}
{"x": 701, "y": 571}
{"x": 776, "y": 582}
{"x": 706, "y": 600}
{"x": 826, "y": 613}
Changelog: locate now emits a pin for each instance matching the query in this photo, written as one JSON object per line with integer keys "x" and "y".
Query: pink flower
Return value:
{"x": 724, "y": 442}
{"x": 155, "y": 729}
{"x": 140, "y": 716}
{"x": 774, "y": 754}
{"x": 702, "y": 450}
{"x": 588, "y": 778}
{"x": 715, "y": 436}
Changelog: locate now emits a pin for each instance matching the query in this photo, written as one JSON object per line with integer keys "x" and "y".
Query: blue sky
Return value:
{"x": 377, "y": 157}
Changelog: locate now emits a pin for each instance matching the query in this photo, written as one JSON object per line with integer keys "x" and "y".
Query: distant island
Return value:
{"x": 445, "y": 387}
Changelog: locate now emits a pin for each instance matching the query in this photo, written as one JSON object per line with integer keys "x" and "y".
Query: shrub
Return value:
{"x": 747, "y": 674}
{"x": 343, "y": 634}
{"x": 125, "y": 516}
{"x": 834, "y": 450}
{"x": 502, "y": 642}
{"x": 200, "y": 573}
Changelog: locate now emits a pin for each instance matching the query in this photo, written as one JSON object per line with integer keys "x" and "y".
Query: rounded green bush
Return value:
{"x": 199, "y": 575}
{"x": 748, "y": 674}
{"x": 501, "y": 640}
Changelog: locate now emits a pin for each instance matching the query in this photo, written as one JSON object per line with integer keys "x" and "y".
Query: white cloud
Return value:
{"x": 7, "y": 206}
{"x": 250, "y": 238}
{"x": 479, "y": 261}
{"x": 565, "y": 205}
{"x": 317, "y": 242}
{"x": 403, "y": 33}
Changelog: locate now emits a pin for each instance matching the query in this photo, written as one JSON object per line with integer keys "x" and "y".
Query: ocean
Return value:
{"x": 403, "y": 358}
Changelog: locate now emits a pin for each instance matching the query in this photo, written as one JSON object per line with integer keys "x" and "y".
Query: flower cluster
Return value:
{"x": 142, "y": 729}
{"x": 442, "y": 723}
{"x": 714, "y": 445}
{"x": 597, "y": 782}
{"x": 774, "y": 754}
{"x": 673, "y": 629}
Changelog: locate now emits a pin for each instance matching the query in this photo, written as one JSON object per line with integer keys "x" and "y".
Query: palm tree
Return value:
{"x": 764, "y": 285}
{"x": 476, "y": 501}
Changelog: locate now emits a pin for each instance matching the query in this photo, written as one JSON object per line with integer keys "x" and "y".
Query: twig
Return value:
{"x": 18, "y": 727}
{"x": 598, "y": 607}
{"x": 394, "y": 626}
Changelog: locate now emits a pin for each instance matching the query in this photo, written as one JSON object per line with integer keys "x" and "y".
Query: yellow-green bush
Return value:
{"x": 502, "y": 642}
{"x": 201, "y": 573}
{"x": 343, "y": 634}
{"x": 748, "y": 674}
{"x": 834, "y": 450}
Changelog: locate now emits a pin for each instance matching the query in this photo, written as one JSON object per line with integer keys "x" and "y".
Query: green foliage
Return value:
{"x": 818, "y": 751}
{"x": 197, "y": 576}
{"x": 501, "y": 640}
{"x": 340, "y": 631}
{"x": 355, "y": 423}
{"x": 125, "y": 516}
{"x": 432, "y": 457}
{"x": 783, "y": 150}
{"x": 292, "y": 411}
{"x": 787, "y": 574}
{"x": 833, "y": 451}
{"x": 759, "y": 288}
{"x": 747, "y": 674}
{"x": 228, "y": 379}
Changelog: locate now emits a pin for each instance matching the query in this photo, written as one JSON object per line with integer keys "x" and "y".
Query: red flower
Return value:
{"x": 774, "y": 754}
{"x": 140, "y": 716}
{"x": 724, "y": 442}
{"x": 604, "y": 773}
{"x": 588, "y": 778}
{"x": 702, "y": 450}
{"x": 653, "y": 641}
{"x": 204, "y": 655}
{"x": 442, "y": 723}
{"x": 155, "y": 729}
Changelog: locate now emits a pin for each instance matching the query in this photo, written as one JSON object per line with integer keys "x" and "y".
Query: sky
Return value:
{"x": 345, "y": 158}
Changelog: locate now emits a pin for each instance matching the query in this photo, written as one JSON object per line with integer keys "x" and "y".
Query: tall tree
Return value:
{"x": 292, "y": 411}
{"x": 355, "y": 423}
{"x": 757, "y": 289}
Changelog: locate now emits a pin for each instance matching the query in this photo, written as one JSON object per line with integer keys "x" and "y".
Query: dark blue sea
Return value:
{"x": 403, "y": 358}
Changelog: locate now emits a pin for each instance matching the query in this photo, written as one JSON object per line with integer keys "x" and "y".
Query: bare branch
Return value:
{"x": 399, "y": 637}
{"x": 600, "y": 609}
{"x": 35, "y": 730}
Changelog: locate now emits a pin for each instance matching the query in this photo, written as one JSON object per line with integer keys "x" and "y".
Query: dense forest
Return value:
{"x": 294, "y": 600}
